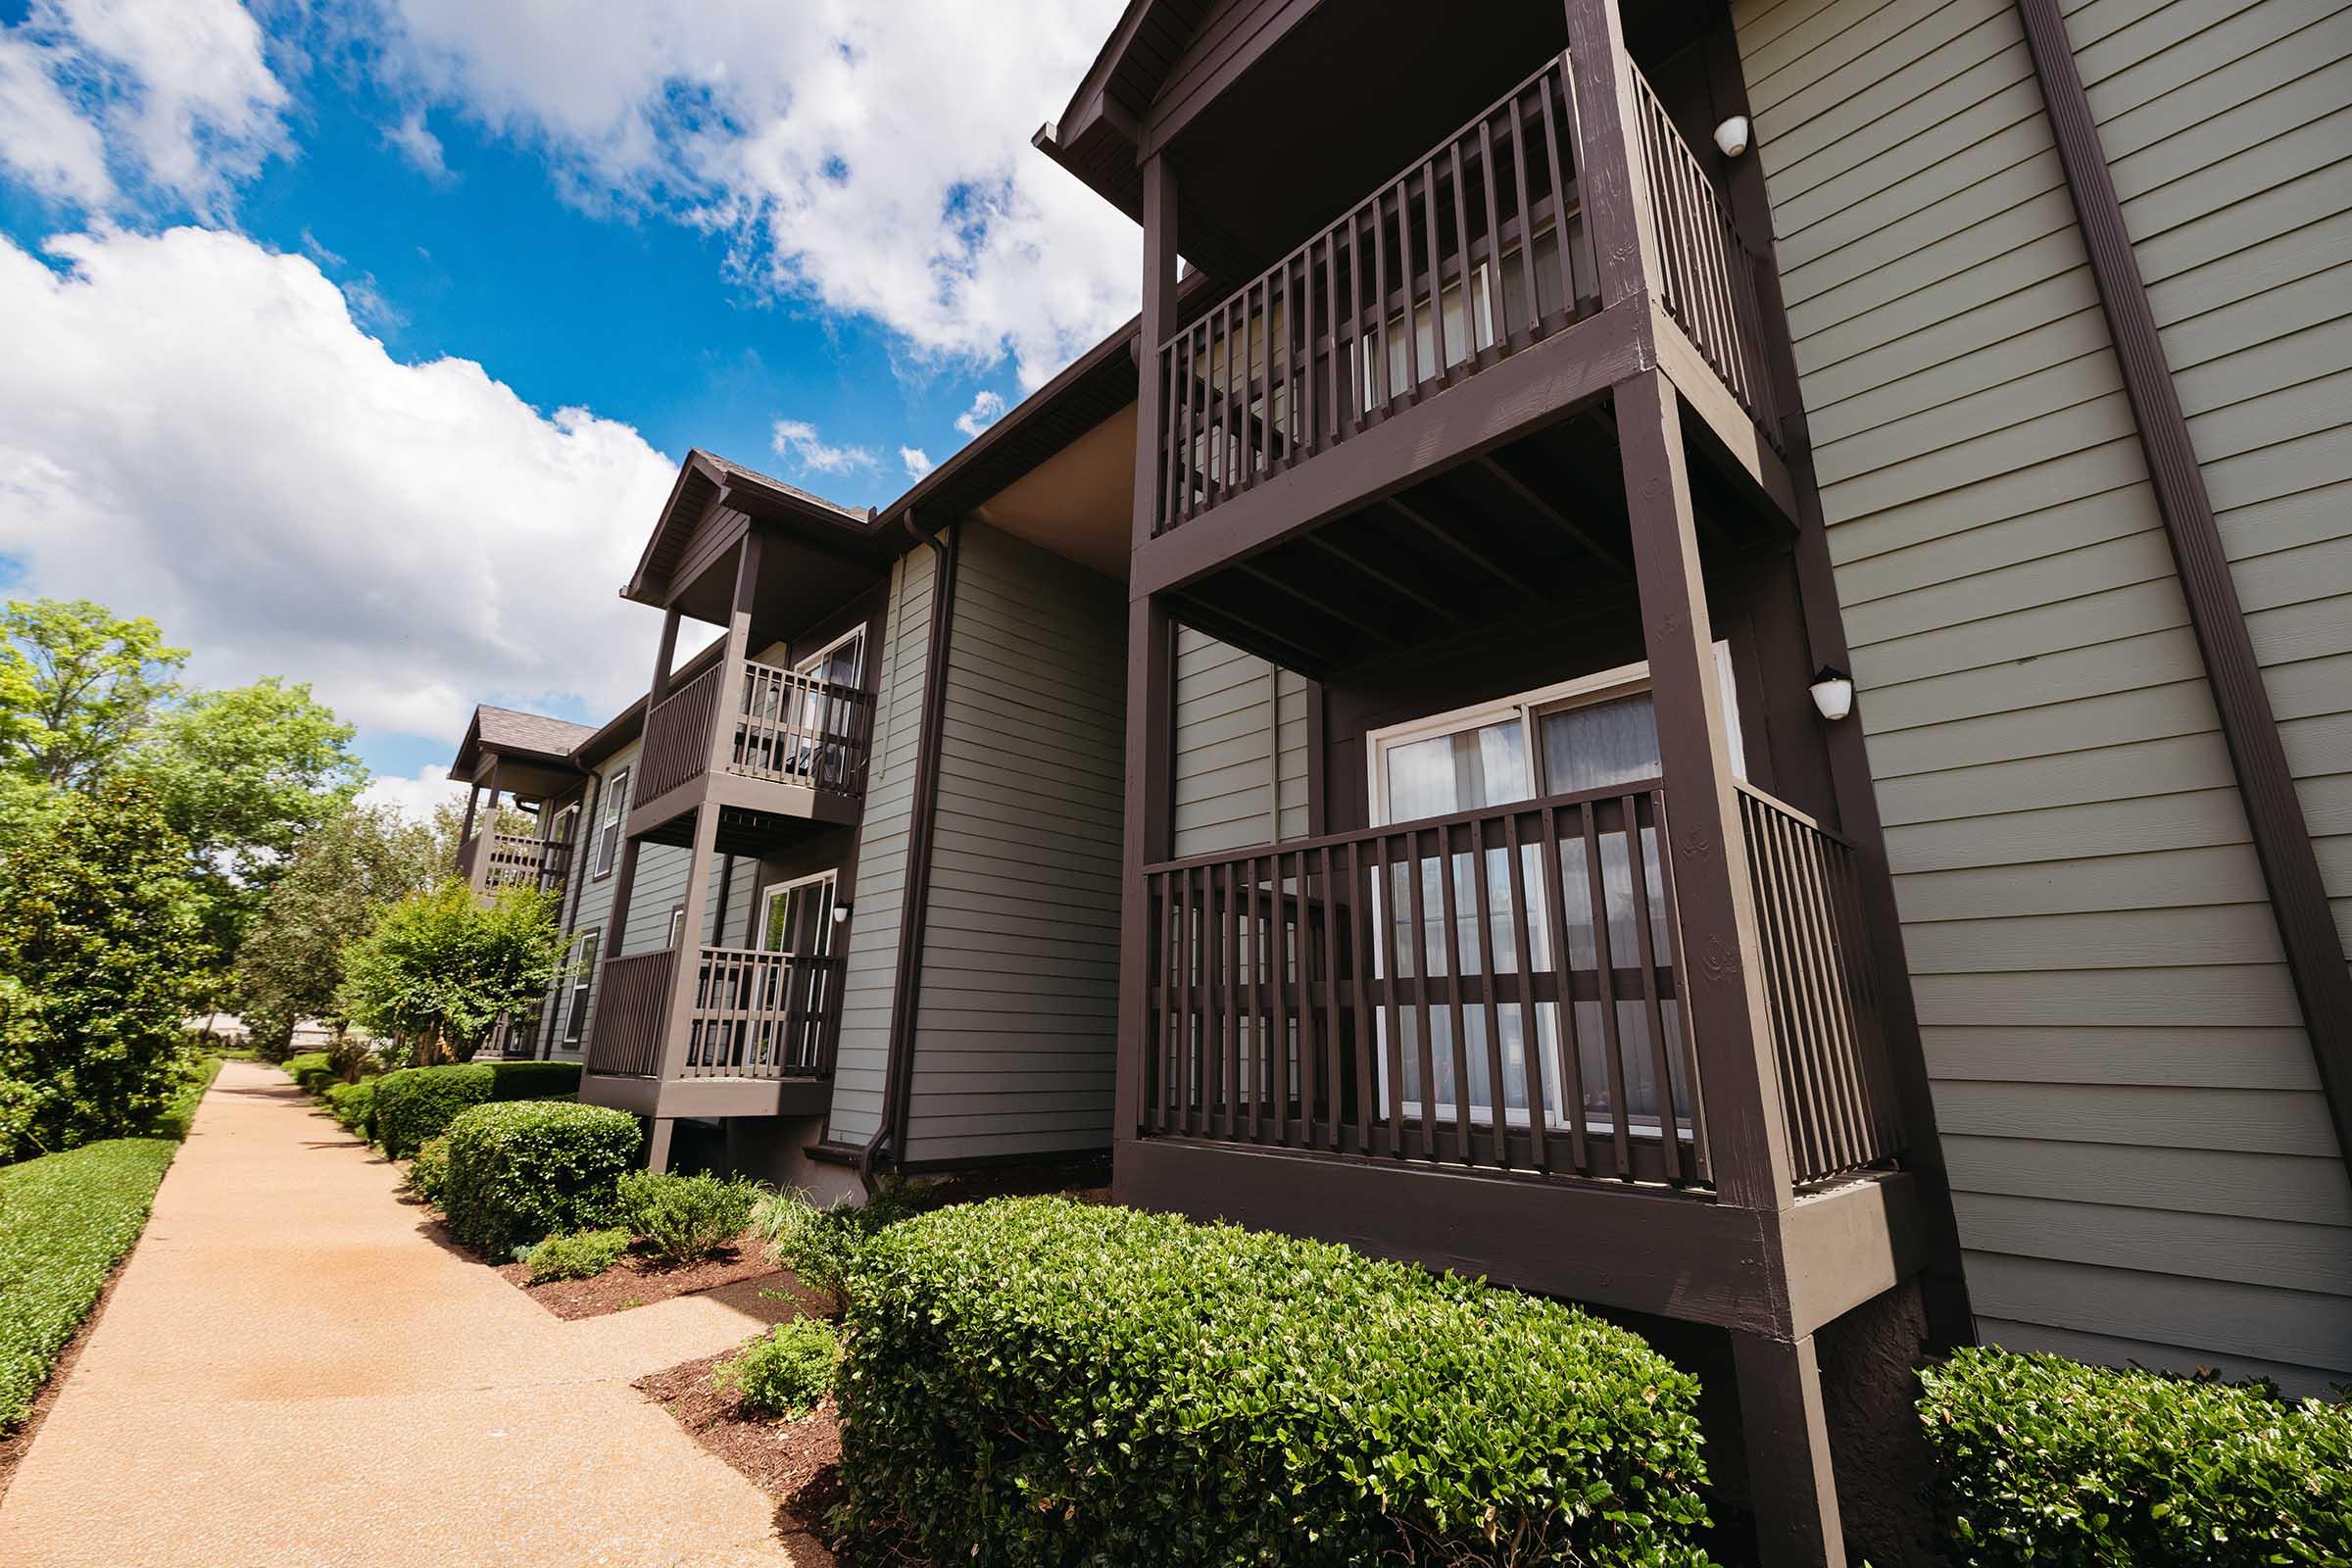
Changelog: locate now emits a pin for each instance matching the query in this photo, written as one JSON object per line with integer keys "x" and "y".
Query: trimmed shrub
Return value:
{"x": 788, "y": 1371}
{"x": 1040, "y": 1382}
{"x": 428, "y": 1172}
{"x": 2042, "y": 1461}
{"x": 821, "y": 1246}
{"x": 352, "y": 1105}
{"x": 312, "y": 1070}
{"x": 65, "y": 1221}
{"x": 416, "y": 1103}
{"x": 685, "y": 1217}
{"x": 576, "y": 1254}
{"x": 525, "y": 1169}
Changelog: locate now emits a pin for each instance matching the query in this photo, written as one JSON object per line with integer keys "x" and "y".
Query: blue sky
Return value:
{"x": 814, "y": 239}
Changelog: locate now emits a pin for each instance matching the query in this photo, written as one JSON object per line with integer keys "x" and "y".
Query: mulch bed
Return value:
{"x": 16, "y": 1444}
{"x": 797, "y": 1463}
{"x": 638, "y": 1280}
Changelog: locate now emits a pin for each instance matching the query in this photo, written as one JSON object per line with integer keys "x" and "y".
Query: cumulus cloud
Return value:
{"x": 415, "y": 799}
{"x": 918, "y": 461}
{"x": 871, "y": 157}
{"x": 986, "y": 410}
{"x": 195, "y": 428}
{"x": 797, "y": 441}
{"x": 104, "y": 100}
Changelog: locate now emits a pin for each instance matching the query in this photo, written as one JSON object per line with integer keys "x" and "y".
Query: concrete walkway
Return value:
{"x": 293, "y": 1372}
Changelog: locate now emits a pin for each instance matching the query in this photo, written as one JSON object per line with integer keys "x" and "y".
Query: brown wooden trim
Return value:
{"x": 1318, "y": 813}
{"x": 897, "y": 1064}
{"x": 2315, "y": 954}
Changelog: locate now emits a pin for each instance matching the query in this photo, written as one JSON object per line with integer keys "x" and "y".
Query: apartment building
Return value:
{"x": 1698, "y": 658}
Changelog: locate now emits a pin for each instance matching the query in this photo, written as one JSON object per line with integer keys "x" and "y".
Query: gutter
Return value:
{"x": 898, "y": 1067}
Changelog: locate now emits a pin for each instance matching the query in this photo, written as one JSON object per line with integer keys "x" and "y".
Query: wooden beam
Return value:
{"x": 1320, "y": 605}
{"x": 1396, "y": 585}
{"x": 2315, "y": 954}
{"x": 1528, "y": 496}
{"x": 1787, "y": 1434}
{"x": 1515, "y": 581}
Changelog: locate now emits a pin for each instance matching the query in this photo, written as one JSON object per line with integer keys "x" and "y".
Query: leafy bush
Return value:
{"x": 428, "y": 1172}
{"x": 312, "y": 1070}
{"x": 788, "y": 1371}
{"x": 416, "y": 1103}
{"x": 576, "y": 1254}
{"x": 65, "y": 1221}
{"x": 525, "y": 1169}
{"x": 352, "y": 1105}
{"x": 685, "y": 1217}
{"x": 440, "y": 965}
{"x": 821, "y": 1246}
{"x": 1037, "y": 1382}
{"x": 2041, "y": 1460}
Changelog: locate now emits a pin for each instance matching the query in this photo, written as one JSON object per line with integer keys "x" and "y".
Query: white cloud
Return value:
{"x": 194, "y": 429}
{"x": 414, "y": 141}
{"x": 872, "y": 158}
{"x": 986, "y": 410}
{"x": 417, "y": 798}
{"x": 174, "y": 94}
{"x": 797, "y": 441}
{"x": 918, "y": 461}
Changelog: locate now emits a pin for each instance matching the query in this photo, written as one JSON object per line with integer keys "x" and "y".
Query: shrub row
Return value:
{"x": 1040, "y": 1382}
{"x": 65, "y": 1221}
{"x": 312, "y": 1070}
{"x": 522, "y": 1170}
{"x": 2041, "y": 1460}
{"x": 416, "y": 1103}
{"x": 787, "y": 1371}
{"x": 353, "y": 1105}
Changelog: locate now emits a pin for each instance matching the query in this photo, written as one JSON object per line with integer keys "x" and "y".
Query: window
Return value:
{"x": 677, "y": 923}
{"x": 565, "y": 825}
{"x": 575, "y": 1020}
{"x": 797, "y": 917}
{"x": 607, "y": 834}
{"x": 1597, "y": 733}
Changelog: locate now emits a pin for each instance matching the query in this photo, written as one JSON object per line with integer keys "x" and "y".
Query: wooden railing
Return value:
{"x": 677, "y": 736}
{"x": 1840, "y": 1106}
{"x": 1708, "y": 282}
{"x": 632, "y": 1001}
{"x": 520, "y": 861}
{"x": 1496, "y": 988}
{"x": 1456, "y": 263}
{"x": 788, "y": 727}
{"x": 797, "y": 729}
{"x": 760, "y": 1014}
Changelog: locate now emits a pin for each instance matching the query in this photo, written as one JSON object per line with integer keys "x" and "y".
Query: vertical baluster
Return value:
{"x": 1810, "y": 1039}
{"x": 1852, "y": 1123}
{"x": 1282, "y": 425}
{"x": 1527, "y": 217}
{"x": 1384, "y": 919}
{"x": 1331, "y": 331}
{"x": 1405, "y": 266}
{"x": 1228, "y": 481}
{"x": 1531, "y": 1033}
{"x": 1500, "y": 298}
{"x": 1563, "y": 965}
{"x": 1468, "y": 262}
{"x": 1653, "y": 1013}
{"x": 1424, "y": 1050}
{"x": 1463, "y": 1148}
{"x": 1497, "y": 1100}
{"x": 1301, "y": 950}
{"x": 1384, "y": 394}
{"x": 1434, "y": 251}
{"x": 1361, "y": 1028}
{"x": 1780, "y": 970}
{"x": 1168, "y": 961}
{"x": 1310, "y": 436}
{"x": 1604, "y": 966}
{"x": 1254, "y": 402}
{"x": 1190, "y": 495}
{"x": 1168, "y": 489}
{"x": 1358, "y": 392}
{"x": 1561, "y": 203}
{"x": 1229, "y": 923}
{"x": 1334, "y": 1071}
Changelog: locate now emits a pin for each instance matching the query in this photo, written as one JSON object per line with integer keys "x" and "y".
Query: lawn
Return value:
{"x": 65, "y": 1220}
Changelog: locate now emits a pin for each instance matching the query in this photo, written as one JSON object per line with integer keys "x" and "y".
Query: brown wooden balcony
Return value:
{"x": 753, "y": 1038}
{"x": 494, "y": 861}
{"x": 769, "y": 743}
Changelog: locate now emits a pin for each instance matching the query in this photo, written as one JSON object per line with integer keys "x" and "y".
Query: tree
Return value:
{"x": 342, "y": 876}
{"x": 100, "y": 942}
{"x": 243, "y": 774}
{"x": 440, "y": 969}
{"x": 79, "y": 685}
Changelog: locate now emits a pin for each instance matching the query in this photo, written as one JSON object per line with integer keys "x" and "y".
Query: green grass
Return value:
{"x": 65, "y": 1220}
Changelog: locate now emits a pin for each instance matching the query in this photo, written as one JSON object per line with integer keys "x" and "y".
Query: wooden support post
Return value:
{"x": 474, "y": 797}
{"x": 657, "y": 1145}
{"x": 1724, "y": 1001}
{"x": 1614, "y": 187}
{"x": 1788, "y": 1441}
{"x": 665, "y": 652}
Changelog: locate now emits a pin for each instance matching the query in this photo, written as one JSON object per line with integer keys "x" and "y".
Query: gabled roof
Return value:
{"x": 705, "y": 477}
{"x": 530, "y": 737}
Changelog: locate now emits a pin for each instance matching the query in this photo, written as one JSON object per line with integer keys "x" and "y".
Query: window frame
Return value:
{"x": 575, "y": 1012}
{"x": 609, "y": 829}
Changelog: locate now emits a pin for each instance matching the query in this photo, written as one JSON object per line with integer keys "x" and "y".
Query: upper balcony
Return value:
{"x": 756, "y": 739}
{"x": 493, "y": 860}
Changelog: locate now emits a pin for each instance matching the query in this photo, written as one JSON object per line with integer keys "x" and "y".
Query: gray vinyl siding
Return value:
{"x": 593, "y": 908}
{"x": 870, "y": 977}
{"x": 1241, "y": 747}
{"x": 2141, "y": 1158}
{"x": 1016, "y": 1027}
{"x": 2230, "y": 142}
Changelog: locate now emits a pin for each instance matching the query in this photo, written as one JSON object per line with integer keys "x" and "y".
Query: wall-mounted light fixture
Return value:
{"x": 1832, "y": 692}
{"x": 1732, "y": 137}
{"x": 840, "y": 913}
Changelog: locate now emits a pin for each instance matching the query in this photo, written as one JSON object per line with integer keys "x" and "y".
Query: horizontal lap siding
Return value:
{"x": 2126, "y": 1093}
{"x": 870, "y": 977}
{"x": 1016, "y": 1027}
{"x": 593, "y": 910}
{"x": 1241, "y": 747}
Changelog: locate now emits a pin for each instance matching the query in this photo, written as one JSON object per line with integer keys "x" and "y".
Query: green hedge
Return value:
{"x": 428, "y": 1172}
{"x": 352, "y": 1104}
{"x": 416, "y": 1103}
{"x": 1036, "y": 1381}
{"x": 523, "y": 1170}
{"x": 577, "y": 1255}
{"x": 787, "y": 1371}
{"x": 65, "y": 1221}
{"x": 314, "y": 1070}
{"x": 2041, "y": 1460}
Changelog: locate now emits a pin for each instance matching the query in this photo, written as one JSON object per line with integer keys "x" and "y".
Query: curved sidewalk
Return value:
{"x": 293, "y": 1372}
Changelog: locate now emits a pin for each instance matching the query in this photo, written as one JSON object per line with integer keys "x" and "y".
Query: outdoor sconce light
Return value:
{"x": 1832, "y": 692}
{"x": 840, "y": 913}
{"x": 1732, "y": 137}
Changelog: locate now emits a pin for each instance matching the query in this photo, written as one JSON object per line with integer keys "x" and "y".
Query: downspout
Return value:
{"x": 897, "y": 1067}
